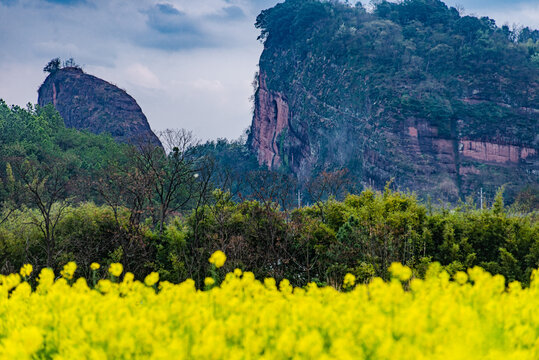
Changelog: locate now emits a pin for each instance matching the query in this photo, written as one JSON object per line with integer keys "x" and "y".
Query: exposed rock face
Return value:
{"x": 489, "y": 152}
{"x": 271, "y": 130}
{"x": 89, "y": 103}
{"x": 343, "y": 88}
{"x": 462, "y": 165}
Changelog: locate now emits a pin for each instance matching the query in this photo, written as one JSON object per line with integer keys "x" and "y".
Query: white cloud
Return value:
{"x": 204, "y": 88}
{"x": 19, "y": 82}
{"x": 521, "y": 14}
{"x": 208, "y": 85}
{"x": 140, "y": 75}
{"x": 48, "y": 47}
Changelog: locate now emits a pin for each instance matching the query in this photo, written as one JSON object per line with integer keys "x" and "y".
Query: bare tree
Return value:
{"x": 123, "y": 186}
{"x": 201, "y": 195}
{"x": 171, "y": 171}
{"x": 326, "y": 185}
{"x": 229, "y": 180}
{"x": 460, "y": 8}
{"x": 272, "y": 188}
{"x": 45, "y": 187}
{"x": 127, "y": 191}
{"x": 13, "y": 195}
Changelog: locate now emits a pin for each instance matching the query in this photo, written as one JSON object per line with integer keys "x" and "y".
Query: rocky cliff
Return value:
{"x": 414, "y": 92}
{"x": 88, "y": 103}
{"x": 272, "y": 133}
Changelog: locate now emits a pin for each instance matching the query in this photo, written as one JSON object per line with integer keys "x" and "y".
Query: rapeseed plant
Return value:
{"x": 473, "y": 317}
{"x": 116, "y": 269}
{"x": 26, "y": 270}
{"x": 349, "y": 280}
{"x": 218, "y": 258}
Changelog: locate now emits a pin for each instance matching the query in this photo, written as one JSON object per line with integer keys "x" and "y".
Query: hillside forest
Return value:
{"x": 74, "y": 196}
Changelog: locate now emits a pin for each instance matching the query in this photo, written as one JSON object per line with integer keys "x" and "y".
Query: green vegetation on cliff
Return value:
{"x": 38, "y": 135}
{"x": 412, "y": 91}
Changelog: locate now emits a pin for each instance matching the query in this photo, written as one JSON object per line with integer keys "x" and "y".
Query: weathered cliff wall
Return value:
{"x": 271, "y": 114}
{"x": 490, "y": 152}
{"x": 344, "y": 88}
{"x": 272, "y": 135}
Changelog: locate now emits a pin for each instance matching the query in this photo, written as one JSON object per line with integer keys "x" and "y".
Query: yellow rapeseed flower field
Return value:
{"x": 473, "y": 317}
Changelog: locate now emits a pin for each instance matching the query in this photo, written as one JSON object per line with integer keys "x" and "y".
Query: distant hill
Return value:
{"x": 444, "y": 104}
{"x": 86, "y": 102}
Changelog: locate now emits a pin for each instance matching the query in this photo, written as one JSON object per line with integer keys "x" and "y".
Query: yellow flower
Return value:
{"x": 218, "y": 258}
{"x": 104, "y": 286}
{"x": 401, "y": 272}
{"x": 270, "y": 283}
{"x": 461, "y": 277}
{"x": 46, "y": 279}
{"x": 116, "y": 269}
{"x": 349, "y": 280}
{"x": 11, "y": 281}
{"x": 26, "y": 270}
{"x": 285, "y": 287}
{"x": 244, "y": 317}
{"x": 151, "y": 279}
{"x": 69, "y": 270}
{"x": 95, "y": 266}
{"x": 209, "y": 281}
{"x": 129, "y": 277}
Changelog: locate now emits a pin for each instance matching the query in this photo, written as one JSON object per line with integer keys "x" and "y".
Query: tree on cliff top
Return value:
{"x": 53, "y": 66}
{"x": 56, "y": 64}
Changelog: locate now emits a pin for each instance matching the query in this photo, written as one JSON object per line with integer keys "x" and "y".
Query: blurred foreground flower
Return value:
{"x": 26, "y": 270}
{"x": 151, "y": 279}
{"x": 218, "y": 258}
{"x": 69, "y": 270}
{"x": 116, "y": 269}
{"x": 349, "y": 280}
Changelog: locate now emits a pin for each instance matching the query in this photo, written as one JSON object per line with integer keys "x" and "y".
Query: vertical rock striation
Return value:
{"x": 272, "y": 135}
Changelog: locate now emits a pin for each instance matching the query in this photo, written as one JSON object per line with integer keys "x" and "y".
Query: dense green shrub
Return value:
{"x": 362, "y": 235}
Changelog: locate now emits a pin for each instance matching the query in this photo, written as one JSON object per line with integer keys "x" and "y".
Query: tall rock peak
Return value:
{"x": 88, "y": 103}
{"x": 443, "y": 114}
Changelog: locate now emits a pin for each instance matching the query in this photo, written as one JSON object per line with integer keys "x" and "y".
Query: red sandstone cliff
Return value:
{"x": 271, "y": 130}
{"x": 344, "y": 88}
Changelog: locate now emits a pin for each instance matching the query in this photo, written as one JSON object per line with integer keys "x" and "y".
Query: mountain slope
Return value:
{"x": 441, "y": 103}
{"x": 88, "y": 103}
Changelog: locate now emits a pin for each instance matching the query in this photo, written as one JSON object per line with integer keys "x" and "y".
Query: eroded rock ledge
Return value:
{"x": 490, "y": 152}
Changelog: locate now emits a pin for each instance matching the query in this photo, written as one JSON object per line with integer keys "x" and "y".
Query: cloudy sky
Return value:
{"x": 188, "y": 63}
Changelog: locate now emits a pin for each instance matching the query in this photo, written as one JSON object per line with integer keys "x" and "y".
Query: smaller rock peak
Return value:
{"x": 86, "y": 102}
